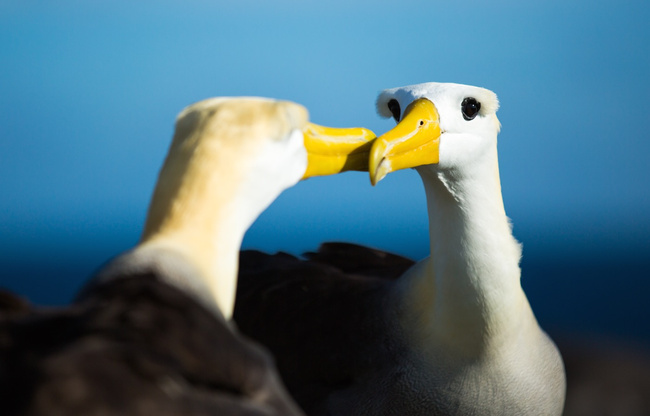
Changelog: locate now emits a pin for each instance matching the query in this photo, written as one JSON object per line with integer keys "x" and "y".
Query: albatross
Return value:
{"x": 357, "y": 331}
{"x": 151, "y": 333}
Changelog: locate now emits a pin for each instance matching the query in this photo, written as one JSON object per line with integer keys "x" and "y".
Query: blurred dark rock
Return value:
{"x": 605, "y": 378}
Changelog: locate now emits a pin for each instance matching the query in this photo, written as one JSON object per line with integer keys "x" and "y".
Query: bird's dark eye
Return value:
{"x": 393, "y": 106}
{"x": 470, "y": 108}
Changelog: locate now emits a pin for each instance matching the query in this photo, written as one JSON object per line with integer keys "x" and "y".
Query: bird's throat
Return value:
{"x": 468, "y": 287}
{"x": 195, "y": 213}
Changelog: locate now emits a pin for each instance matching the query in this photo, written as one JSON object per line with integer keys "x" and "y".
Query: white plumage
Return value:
{"x": 465, "y": 312}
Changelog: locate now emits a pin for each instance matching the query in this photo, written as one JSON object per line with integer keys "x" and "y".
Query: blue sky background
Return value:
{"x": 89, "y": 92}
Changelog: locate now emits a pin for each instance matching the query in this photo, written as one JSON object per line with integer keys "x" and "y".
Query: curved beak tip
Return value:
{"x": 379, "y": 172}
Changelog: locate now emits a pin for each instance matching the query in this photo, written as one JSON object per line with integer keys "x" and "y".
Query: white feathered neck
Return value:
{"x": 229, "y": 159}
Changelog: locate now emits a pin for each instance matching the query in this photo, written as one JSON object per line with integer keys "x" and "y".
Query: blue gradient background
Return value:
{"x": 89, "y": 92}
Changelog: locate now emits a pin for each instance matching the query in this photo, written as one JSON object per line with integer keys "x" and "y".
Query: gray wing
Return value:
{"x": 133, "y": 346}
{"x": 319, "y": 316}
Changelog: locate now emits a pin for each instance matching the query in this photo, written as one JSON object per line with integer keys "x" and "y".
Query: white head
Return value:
{"x": 225, "y": 150}
{"x": 461, "y": 117}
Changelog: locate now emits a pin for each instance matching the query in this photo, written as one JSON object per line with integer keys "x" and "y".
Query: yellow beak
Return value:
{"x": 415, "y": 141}
{"x": 333, "y": 150}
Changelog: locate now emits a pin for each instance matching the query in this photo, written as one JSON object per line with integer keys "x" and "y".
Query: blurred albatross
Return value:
{"x": 147, "y": 335}
{"x": 357, "y": 331}
{"x": 230, "y": 158}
